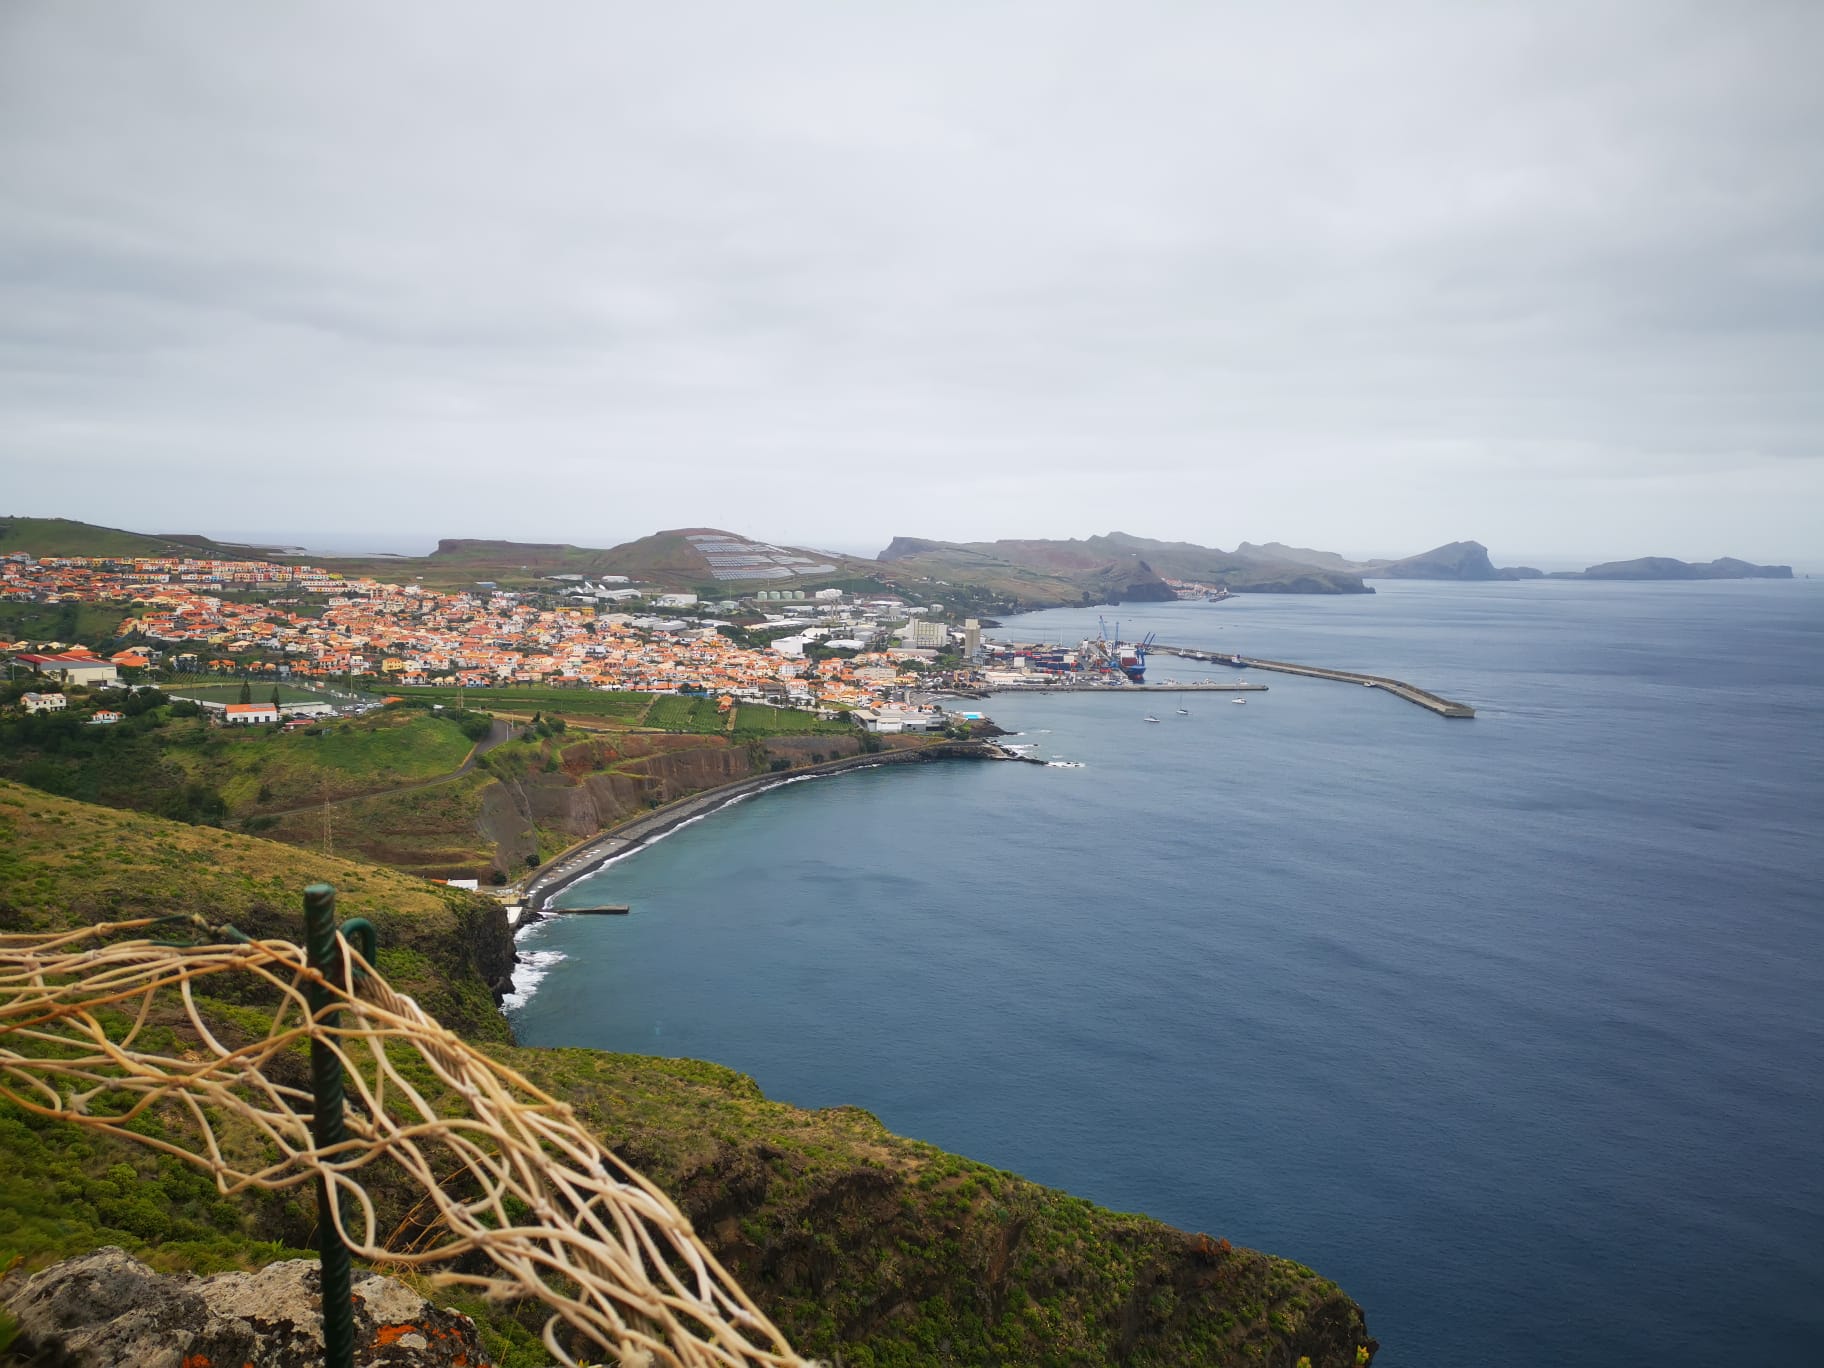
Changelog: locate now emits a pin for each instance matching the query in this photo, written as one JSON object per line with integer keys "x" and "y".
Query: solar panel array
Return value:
{"x": 732, "y": 559}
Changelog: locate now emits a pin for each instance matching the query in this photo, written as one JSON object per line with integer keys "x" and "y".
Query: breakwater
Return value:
{"x": 1437, "y": 703}
{"x": 1062, "y": 686}
{"x": 590, "y": 854}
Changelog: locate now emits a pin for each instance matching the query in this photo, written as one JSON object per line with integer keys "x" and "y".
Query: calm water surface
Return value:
{"x": 1514, "y": 1027}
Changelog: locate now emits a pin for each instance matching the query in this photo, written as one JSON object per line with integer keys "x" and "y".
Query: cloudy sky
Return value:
{"x": 1361, "y": 277}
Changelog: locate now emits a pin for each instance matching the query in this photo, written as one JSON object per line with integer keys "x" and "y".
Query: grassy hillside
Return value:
{"x": 65, "y": 863}
{"x": 390, "y": 787}
{"x": 576, "y": 704}
{"x": 67, "y": 537}
{"x": 862, "y": 1244}
{"x": 185, "y": 767}
{"x": 87, "y": 624}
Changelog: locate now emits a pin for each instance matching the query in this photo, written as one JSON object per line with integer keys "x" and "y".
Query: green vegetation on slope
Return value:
{"x": 65, "y": 863}
{"x": 677, "y": 713}
{"x": 187, "y": 768}
{"x": 588, "y": 704}
{"x": 86, "y": 624}
{"x": 859, "y": 1243}
{"x": 759, "y": 719}
{"x": 67, "y": 537}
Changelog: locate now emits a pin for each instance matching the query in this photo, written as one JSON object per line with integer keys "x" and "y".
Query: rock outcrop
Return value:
{"x": 108, "y": 1309}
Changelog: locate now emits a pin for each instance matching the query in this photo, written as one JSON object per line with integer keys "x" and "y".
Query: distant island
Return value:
{"x": 1665, "y": 568}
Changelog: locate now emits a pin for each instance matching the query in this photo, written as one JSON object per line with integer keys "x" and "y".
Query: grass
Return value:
{"x": 64, "y": 862}
{"x": 678, "y": 713}
{"x": 759, "y": 719}
{"x": 66, "y": 537}
{"x": 88, "y": 624}
{"x": 581, "y": 703}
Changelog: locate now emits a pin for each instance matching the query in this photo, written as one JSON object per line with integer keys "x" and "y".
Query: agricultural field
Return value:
{"x": 678, "y": 713}
{"x": 758, "y": 719}
{"x": 589, "y": 704}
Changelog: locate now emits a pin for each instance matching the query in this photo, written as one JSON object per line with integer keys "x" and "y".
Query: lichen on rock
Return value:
{"x": 107, "y": 1309}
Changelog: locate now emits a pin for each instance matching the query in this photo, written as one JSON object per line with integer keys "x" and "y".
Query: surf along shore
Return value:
{"x": 590, "y": 854}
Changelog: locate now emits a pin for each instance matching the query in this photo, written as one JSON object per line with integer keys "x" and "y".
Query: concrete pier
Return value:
{"x": 1443, "y": 707}
{"x": 1081, "y": 686}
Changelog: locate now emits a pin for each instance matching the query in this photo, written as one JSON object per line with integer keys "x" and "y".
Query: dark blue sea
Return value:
{"x": 1513, "y": 1026}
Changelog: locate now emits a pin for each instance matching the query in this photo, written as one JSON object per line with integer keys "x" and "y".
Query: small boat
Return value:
{"x": 1151, "y": 718}
{"x": 1238, "y": 700}
{"x": 1184, "y": 712}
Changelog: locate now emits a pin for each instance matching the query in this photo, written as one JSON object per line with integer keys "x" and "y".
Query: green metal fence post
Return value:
{"x": 326, "y": 1127}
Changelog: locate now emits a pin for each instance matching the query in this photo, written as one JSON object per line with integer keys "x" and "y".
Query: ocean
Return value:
{"x": 1514, "y": 1027}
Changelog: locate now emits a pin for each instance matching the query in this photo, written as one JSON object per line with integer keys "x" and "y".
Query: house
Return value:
{"x": 47, "y": 702}
{"x": 103, "y": 718}
{"x": 249, "y": 714}
{"x": 72, "y": 669}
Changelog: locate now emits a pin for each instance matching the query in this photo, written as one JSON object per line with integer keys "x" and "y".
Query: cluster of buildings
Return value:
{"x": 316, "y": 624}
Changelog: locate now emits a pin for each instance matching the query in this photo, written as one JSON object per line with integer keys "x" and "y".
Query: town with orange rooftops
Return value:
{"x": 826, "y": 650}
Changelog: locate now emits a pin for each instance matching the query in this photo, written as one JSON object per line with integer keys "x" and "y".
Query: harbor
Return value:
{"x": 1107, "y": 664}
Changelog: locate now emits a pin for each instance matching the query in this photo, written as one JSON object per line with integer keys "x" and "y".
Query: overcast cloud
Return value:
{"x": 1362, "y": 277}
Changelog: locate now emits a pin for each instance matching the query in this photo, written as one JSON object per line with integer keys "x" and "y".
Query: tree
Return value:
{"x": 275, "y": 695}
{"x": 246, "y": 690}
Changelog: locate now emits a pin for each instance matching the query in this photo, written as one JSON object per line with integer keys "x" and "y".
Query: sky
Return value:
{"x": 1366, "y": 278}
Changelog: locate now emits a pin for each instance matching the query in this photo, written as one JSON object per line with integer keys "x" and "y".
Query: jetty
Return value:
{"x": 606, "y": 910}
{"x": 1443, "y": 707}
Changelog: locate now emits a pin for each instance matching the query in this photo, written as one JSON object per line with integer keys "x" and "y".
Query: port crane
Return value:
{"x": 1110, "y": 654}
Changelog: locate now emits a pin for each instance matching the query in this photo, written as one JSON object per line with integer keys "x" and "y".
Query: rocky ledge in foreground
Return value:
{"x": 108, "y": 1309}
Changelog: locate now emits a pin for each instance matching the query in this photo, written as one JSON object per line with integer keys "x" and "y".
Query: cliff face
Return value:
{"x": 603, "y": 781}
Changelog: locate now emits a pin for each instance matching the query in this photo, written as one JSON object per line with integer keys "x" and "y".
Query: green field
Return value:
{"x": 757, "y": 719}
{"x": 588, "y": 703}
{"x": 676, "y": 713}
{"x": 359, "y": 756}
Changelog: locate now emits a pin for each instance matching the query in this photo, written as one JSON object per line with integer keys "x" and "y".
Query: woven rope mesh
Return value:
{"x": 505, "y": 1191}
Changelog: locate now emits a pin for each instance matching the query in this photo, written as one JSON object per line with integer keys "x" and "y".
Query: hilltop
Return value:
{"x": 67, "y": 537}
{"x": 1115, "y": 568}
{"x": 856, "y": 1241}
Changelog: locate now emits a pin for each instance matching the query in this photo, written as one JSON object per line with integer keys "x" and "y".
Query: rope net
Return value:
{"x": 507, "y": 1193}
